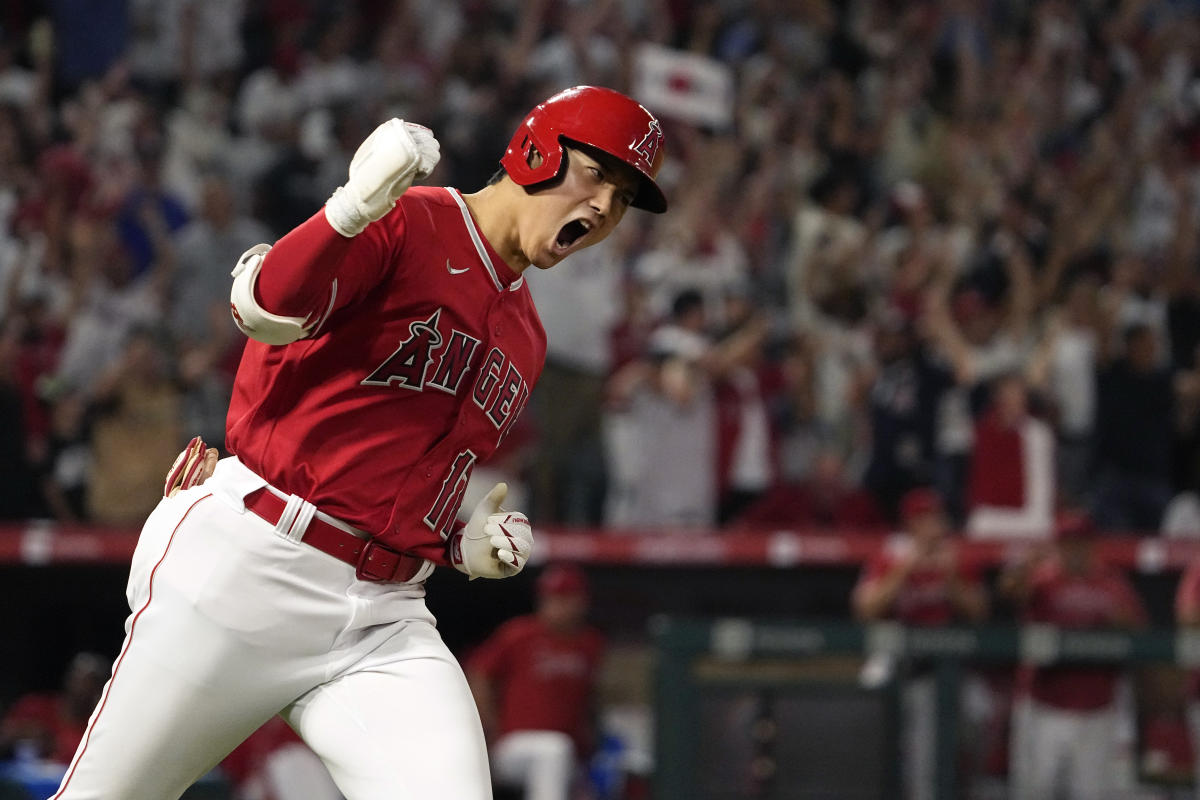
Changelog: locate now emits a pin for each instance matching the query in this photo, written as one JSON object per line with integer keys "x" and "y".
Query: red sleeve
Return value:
{"x": 1129, "y": 599}
{"x": 314, "y": 270}
{"x": 1187, "y": 596}
{"x": 879, "y": 565}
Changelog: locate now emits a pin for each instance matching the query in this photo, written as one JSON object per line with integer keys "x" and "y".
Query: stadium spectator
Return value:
{"x": 579, "y": 308}
{"x": 137, "y": 410}
{"x": 905, "y": 395}
{"x": 534, "y": 683}
{"x": 1035, "y": 164}
{"x": 918, "y": 579}
{"x": 741, "y": 387}
{"x": 1010, "y": 487}
{"x": 827, "y": 499}
{"x": 1067, "y": 720}
{"x": 1064, "y": 372}
{"x": 1135, "y": 424}
{"x": 982, "y": 335}
{"x": 664, "y": 460}
{"x": 199, "y": 303}
{"x": 16, "y": 483}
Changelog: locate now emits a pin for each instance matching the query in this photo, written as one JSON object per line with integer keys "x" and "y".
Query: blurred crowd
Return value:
{"x": 948, "y": 244}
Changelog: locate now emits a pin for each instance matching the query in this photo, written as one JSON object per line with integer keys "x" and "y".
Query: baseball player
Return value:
{"x": 533, "y": 681}
{"x": 919, "y": 580}
{"x": 393, "y": 343}
{"x": 1066, "y": 719}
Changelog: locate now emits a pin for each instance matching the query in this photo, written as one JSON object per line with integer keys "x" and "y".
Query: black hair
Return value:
{"x": 1136, "y": 330}
{"x": 686, "y": 302}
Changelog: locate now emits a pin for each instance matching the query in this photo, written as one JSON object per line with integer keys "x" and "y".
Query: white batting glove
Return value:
{"x": 495, "y": 543}
{"x": 384, "y": 166}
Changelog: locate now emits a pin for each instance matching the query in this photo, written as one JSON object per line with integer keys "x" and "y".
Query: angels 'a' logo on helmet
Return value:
{"x": 647, "y": 148}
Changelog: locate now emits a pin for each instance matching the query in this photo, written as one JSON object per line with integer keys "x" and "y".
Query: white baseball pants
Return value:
{"x": 232, "y": 622}
{"x": 1055, "y": 751}
{"x": 290, "y": 773}
{"x": 540, "y": 762}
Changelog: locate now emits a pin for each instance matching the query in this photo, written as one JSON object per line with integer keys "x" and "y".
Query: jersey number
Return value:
{"x": 441, "y": 516}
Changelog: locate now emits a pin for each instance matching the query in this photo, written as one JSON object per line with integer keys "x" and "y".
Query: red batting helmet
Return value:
{"x": 559, "y": 579}
{"x": 920, "y": 501}
{"x": 593, "y": 116}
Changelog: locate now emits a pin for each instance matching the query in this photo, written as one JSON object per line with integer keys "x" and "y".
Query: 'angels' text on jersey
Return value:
{"x": 437, "y": 360}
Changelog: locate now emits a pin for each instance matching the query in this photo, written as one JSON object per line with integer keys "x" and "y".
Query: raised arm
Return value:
{"x": 282, "y": 294}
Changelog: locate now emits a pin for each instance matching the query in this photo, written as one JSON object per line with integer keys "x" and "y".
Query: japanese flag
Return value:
{"x": 686, "y": 86}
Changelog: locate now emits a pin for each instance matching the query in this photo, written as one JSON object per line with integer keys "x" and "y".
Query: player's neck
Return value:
{"x": 492, "y": 209}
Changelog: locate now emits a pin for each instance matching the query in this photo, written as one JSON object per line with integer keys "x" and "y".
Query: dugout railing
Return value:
{"x": 702, "y": 662}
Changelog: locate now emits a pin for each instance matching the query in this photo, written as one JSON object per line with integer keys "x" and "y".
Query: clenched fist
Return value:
{"x": 384, "y": 166}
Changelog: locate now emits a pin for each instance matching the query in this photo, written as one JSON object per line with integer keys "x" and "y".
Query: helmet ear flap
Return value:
{"x": 532, "y": 156}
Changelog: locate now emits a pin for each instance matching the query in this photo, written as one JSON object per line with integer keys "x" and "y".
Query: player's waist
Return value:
{"x": 298, "y": 520}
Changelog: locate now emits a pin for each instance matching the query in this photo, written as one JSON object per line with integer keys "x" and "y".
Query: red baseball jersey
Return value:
{"x": 424, "y": 350}
{"x": 1187, "y": 596}
{"x": 543, "y": 679}
{"x": 1098, "y": 599}
{"x": 44, "y": 716}
{"x": 924, "y": 597}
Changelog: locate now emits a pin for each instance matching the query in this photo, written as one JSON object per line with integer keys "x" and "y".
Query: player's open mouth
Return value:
{"x": 571, "y": 233}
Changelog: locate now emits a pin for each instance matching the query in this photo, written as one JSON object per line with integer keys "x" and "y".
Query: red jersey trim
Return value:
{"x": 480, "y": 247}
{"x": 128, "y": 642}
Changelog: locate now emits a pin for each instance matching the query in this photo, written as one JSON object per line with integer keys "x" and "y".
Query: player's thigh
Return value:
{"x": 402, "y": 724}
{"x": 186, "y": 687}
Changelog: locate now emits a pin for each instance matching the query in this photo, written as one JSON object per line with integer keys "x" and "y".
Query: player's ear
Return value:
{"x": 534, "y": 159}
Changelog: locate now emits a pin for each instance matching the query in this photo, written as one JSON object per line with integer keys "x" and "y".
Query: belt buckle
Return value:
{"x": 378, "y": 562}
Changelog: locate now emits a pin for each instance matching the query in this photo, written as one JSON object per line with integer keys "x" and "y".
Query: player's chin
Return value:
{"x": 553, "y": 254}
{"x": 544, "y": 260}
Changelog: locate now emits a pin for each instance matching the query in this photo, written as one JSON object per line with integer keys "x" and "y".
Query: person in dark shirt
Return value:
{"x": 52, "y": 724}
{"x": 1133, "y": 447}
{"x": 903, "y": 409}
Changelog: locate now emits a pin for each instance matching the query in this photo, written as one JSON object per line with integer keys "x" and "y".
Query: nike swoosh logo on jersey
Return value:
{"x": 454, "y": 271}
